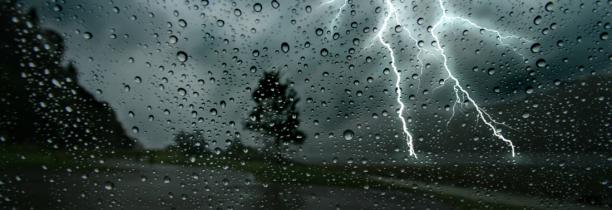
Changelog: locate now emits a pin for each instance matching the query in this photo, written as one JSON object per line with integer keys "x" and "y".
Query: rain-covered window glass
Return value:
{"x": 323, "y": 104}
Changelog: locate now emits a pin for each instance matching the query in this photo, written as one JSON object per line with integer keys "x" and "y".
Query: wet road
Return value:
{"x": 147, "y": 186}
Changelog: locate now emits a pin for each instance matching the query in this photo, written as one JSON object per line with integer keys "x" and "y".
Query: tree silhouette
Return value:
{"x": 41, "y": 101}
{"x": 275, "y": 115}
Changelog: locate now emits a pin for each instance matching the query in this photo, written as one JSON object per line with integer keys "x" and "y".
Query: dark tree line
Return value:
{"x": 191, "y": 142}
{"x": 41, "y": 102}
{"x": 195, "y": 144}
{"x": 275, "y": 119}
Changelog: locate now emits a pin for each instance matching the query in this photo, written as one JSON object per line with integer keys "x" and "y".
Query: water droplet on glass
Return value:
{"x": 182, "y": 56}
{"x": 319, "y": 32}
{"x": 237, "y": 12}
{"x": 257, "y": 7}
{"x": 87, "y": 35}
{"x": 109, "y": 185}
{"x": 57, "y": 8}
{"x": 398, "y": 28}
{"x": 549, "y": 6}
{"x": 275, "y": 4}
{"x": 560, "y": 43}
{"x": 324, "y": 52}
{"x": 420, "y": 21}
{"x": 541, "y": 63}
{"x": 182, "y": 23}
{"x": 182, "y": 91}
{"x": 348, "y": 134}
{"x": 173, "y": 39}
{"x": 537, "y": 20}
{"x": 535, "y": 47}
{"x": 491, "y": 71}
{"x": 285, "y": 47}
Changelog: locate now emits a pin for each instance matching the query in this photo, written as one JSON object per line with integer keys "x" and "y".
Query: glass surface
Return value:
{"x": 333, "y": 104}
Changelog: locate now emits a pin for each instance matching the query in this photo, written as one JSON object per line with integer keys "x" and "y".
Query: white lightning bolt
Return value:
{"x": 416, "y": 42}
{"x": 460, "y": 93}
{"x": 328, "y": 2}
{"x": 333, "y": 22}
{"x": 398, "y": 88}
{"x": 498, "y": 34}
{"x": 459, "y": 90}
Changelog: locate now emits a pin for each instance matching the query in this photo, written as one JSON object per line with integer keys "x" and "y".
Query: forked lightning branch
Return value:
{"x": 461, "y": 94}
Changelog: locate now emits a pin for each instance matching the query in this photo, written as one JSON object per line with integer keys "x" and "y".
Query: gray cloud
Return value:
{"x": 220, "y": 44}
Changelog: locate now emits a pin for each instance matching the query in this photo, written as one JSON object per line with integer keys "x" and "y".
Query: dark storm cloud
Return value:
{"x": 220, "y": 41}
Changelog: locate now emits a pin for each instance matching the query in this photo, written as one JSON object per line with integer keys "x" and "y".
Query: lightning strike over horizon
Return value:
{"x": 398, "y": 89}
{"x": 458, "y": 89}
{"x": 461, "y": 94}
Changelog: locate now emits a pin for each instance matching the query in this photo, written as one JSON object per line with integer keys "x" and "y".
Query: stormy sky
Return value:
{"x": 129, "y": 54}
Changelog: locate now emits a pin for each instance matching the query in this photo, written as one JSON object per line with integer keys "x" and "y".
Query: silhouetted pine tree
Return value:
{"x": 275, "y": 116}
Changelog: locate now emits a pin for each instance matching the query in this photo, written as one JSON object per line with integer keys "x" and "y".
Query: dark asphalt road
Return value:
{"x": 146, "y": 186}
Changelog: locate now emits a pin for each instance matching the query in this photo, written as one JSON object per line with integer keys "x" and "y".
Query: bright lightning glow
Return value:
{"x": 460, "y": 92}
{"x": 328, "y": 2}
{"x": 333, "y": 22}
{"x": 498, "y": 34}
{"x": 338, "y": 14}
{"x": 416, "y": 42}
{"x": 398, "y": 88}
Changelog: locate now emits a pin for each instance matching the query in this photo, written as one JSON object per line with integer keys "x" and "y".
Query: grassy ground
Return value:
{"x": 32, "y": 157}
